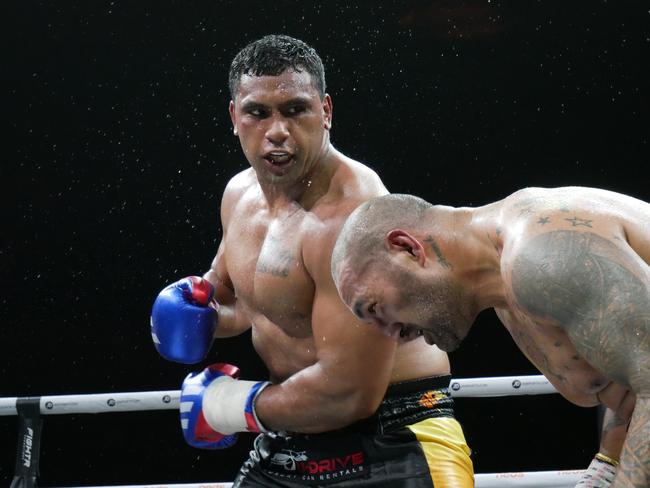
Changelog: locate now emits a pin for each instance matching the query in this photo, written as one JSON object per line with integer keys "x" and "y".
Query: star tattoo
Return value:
{"x": 577, "y": 222}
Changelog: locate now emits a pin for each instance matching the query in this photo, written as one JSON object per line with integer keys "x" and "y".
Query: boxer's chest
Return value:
{"x": 264, "y": 259}
{"x": 549, "y": 348}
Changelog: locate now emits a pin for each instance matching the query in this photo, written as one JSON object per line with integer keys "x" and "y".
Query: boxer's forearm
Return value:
{"x": 613, "y": 435}
{"x": 232, "y": 322}
{"x": 311, "y": 402}
{"x": 232, "y": 319}
{"x": 346, "y": 384}
{"x": 634, "y": 470}
{"x": 601, "y": 472}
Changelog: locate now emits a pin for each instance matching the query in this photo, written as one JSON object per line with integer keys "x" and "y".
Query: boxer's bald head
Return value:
{"x": 390, "y": 271}
{"x": 362, "y": 238}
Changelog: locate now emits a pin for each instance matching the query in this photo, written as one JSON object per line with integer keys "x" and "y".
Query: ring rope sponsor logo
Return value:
{"x": 510, "y": 475}
{"x": 571, "y": 472}
{"x": 457, "y": 386}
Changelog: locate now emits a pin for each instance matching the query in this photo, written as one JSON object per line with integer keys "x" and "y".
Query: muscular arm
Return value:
{"x": 346, "y": 383}
{"x": 350, "y": 376}
{"x": 612, "y": 435}
{"x": 599, "y": 293}
{"x": 232, "y": 318}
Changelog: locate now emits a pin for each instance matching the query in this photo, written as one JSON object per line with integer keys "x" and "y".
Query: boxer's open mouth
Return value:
{"x": 409, "y": 333}
{"x": 278, "y": 158}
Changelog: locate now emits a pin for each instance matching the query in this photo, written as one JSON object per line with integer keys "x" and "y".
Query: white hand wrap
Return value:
{"x": 599, "y": 474}
{"x": 229, "y": 405}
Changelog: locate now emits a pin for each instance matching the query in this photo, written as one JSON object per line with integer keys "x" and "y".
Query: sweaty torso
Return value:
{"x": 623, "y": 221}
{"x": 267, "y": 255}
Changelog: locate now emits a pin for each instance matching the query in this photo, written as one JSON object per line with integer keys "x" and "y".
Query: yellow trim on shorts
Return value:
{"x": 446, "y": 452}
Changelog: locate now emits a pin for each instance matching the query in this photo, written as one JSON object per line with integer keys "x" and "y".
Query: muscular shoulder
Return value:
{"x": 534, "y": 211}
{"x": 359, "y": 182}
{"x": 565, "y": 235}
{"x": 614, "y": 216}
{"x": 534, "y": 200}
{"x": 593, "y": 201}
{"x": 351, "y": 185}
{"x": 235, "y": 190}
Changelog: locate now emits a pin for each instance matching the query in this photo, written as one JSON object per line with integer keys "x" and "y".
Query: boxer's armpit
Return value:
{"x": 591, "y": 288}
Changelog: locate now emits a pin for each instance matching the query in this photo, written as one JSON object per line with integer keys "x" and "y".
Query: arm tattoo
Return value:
{"x": 583, "y": 282}
{"x": 441, "y": 258}
{"x": 634, "y": 470}
{"x": 536, "y": 355}
{"x": 612, "y": 422}
{"x": 587, "y": 286}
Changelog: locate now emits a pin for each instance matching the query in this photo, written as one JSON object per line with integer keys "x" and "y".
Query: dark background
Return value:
{"x": 119, "y": 145}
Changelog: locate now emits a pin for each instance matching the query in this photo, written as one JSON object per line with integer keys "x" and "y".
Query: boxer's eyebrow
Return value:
{"x": 252, "y": 105}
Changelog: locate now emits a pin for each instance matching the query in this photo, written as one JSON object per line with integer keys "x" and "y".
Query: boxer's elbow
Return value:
{"x": 365, "y": 407}
{"x": 358, "y": 403}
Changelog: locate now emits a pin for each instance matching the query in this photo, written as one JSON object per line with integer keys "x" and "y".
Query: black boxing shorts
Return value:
{"x": 412, "y": 441}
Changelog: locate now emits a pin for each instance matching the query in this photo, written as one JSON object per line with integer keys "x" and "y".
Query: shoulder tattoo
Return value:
{"x": 585, "y": 284}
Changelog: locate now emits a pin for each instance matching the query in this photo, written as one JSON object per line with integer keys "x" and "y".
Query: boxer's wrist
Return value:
{"x": 606, "y": 459}
{"x": 229, "y": 405}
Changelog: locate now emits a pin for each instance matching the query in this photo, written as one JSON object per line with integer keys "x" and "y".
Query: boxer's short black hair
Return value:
{"x": 272, "y": 55}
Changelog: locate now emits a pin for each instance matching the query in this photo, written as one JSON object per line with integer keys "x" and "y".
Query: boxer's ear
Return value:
{"x": 327, "y": 112}
{"x": 399, "y": 240}
{"x": 233, "y": 117}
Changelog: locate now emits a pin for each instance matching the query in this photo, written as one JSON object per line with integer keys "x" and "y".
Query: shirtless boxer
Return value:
{"x": 345, "y": 405}
{"x": 565, "y": 269}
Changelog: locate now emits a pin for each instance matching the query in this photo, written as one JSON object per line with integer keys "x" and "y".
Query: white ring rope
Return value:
{"x": 169, "y": 400}
{"x": 530, "y": 479}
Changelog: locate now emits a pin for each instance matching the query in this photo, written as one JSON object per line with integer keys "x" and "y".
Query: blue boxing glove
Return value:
{"x": 183, "y": 320}
{"x": 215, "y": 406}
